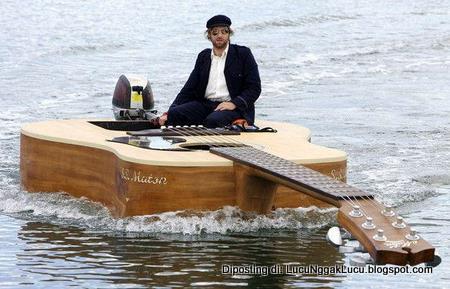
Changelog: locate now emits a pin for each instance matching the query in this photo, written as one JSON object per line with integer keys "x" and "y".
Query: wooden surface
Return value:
{"x": 47, "y": 166}
{"x": 396, "y": 250}
{"x": 263, "y": 165}
{"x": 99, "y": 175}
{"x": 253, "y": 193}
{"x": 286, "y": 197}
{"x": 74, "y": 157}
{"x": 96, "y": 169}
{"x": 290, "y": 142}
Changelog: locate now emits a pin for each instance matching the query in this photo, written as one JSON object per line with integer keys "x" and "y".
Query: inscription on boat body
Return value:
{"x": 139, "y": 177}
{"x": 338, "y": 174}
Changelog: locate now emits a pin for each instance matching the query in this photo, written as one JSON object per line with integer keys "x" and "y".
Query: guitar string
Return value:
{"x": 349, "y": 200}
{"x": 379, "y": 207}
{"x": 209, "y": 137}
{"x": 371, "y": 201}
{"x": 226, "y": 139}
{"x": 179, "y": 132}
{"x": 217, "y": 135}
{"x": 213, "y": 135}
{"x": 184, "y": 132}
{"x": 212, "y": 132}
{"x": 345, "y": 197}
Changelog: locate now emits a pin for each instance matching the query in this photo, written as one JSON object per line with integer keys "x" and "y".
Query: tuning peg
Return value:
{"x": 368, "y": 224}
{"x": 334, "y": 236}
{"x": 356, "y": 212}
{"x": 412, "y": 236}
{"x": 399, "y": 223}
{"x": 380, "y": 236}
{"x": 387, "y": 211}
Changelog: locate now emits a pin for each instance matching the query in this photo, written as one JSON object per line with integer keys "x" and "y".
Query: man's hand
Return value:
{"x": 226, "y": 105}
{"x": 163, "y": 119}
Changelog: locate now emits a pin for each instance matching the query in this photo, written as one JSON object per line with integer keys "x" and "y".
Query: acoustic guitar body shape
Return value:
{"x": 197, "y": 169}
{"x": 78, "y": 158}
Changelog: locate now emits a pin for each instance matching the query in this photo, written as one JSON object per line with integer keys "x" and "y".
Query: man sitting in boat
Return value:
{"x": 223, "y": 86}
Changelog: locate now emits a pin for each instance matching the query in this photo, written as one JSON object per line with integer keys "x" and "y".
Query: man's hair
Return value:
{"x": 209, "y": 30}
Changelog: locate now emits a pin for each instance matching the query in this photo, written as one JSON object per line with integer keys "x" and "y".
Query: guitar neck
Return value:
{"x": 395, "y": 249}
{"x": 292, "y": 174}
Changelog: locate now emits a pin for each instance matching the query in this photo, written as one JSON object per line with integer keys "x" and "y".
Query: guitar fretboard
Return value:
{"x": 292, "y": 173}
{"x": 184, "y": 131}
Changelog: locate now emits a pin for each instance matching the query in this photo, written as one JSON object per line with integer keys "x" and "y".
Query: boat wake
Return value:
{"x": 62, "y": 209}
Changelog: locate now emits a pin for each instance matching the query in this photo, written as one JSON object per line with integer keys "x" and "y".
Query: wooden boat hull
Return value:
{"x": 129, "y": 188}
{"x": 76, "y": 157}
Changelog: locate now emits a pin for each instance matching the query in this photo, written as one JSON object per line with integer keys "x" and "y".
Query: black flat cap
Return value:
{"x": 218, "y": 20}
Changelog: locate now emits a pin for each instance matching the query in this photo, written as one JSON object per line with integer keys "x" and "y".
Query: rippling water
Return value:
{"x": 370, "y": 78}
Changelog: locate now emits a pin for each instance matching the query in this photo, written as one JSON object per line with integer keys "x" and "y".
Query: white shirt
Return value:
{"x": 217, "y": 89}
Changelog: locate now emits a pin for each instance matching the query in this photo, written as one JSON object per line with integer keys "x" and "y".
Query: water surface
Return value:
{"x": 370, "y": 78}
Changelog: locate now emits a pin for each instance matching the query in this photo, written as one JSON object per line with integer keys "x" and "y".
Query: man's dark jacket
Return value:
{"x": 241, "y": 74}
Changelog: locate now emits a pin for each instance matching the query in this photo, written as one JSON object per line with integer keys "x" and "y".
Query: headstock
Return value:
{"x": 387, "y": 238}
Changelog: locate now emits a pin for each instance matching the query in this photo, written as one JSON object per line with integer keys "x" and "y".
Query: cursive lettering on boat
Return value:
{"x": 338, "y": 175}
{"x": 131, "y": 175}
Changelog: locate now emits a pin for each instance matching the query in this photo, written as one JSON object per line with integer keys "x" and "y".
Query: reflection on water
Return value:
{"x": 73, "y": 256}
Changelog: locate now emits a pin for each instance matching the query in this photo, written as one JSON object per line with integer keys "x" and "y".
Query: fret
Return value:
{"x": 183, "y": 131}
{"x": 291, "y": 172}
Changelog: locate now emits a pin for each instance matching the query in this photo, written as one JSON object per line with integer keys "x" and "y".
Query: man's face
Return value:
{"x": 220, "y": 36}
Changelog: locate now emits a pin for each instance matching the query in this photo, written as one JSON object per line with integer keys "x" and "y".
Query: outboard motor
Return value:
{"x": 133, "y": 99}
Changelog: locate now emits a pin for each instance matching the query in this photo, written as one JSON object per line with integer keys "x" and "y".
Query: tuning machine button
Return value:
{"x": 412, "y": 236}
{"x": 387, "y": 211}
{"x": 380, "y": 236}
{"x": 334, "y": 236}
{"x": 368, "y": 224}
{"x": 356, "y": 212}
{"x": 399, "y": 223}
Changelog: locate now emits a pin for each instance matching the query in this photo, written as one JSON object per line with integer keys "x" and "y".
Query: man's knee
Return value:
{"x": 173, "y": 111}
{"x": 186, "y": 114}
{"x": 174, "y": 116}
{"x": 217, "y": 119}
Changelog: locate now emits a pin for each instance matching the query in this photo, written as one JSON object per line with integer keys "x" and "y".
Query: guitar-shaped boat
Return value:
{"x": 194, "y": 168}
